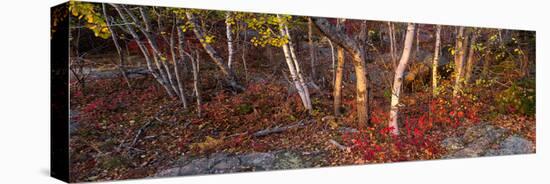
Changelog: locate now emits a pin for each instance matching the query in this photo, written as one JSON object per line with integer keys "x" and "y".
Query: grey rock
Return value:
{"x": 513, "y": 145}
{"x": 262, "y": 160}
{"x": 288, "y": 160}
{"x": 452, "y": 144}
{"x": 198, "y": 166}
{"x": 225, "y": 163}
{"x": 228, "y": 165}
{"x": 477, "y": 139}
{"x": 169, "y": 172}
{"x": 482, "y": 131}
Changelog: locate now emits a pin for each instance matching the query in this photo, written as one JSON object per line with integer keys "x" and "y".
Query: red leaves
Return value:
{"x": 417, "y": 138}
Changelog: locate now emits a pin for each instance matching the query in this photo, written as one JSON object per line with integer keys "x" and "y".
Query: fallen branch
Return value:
{"x": 142, "y": 129}
{"x": 279, "y": 129}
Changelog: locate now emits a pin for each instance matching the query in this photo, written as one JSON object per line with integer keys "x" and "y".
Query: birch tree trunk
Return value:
{"x": 398, "y": 78}
{"x": 294, "y": 68}
{"x": 194, "y": 66}
{"x": 230, "y": 77}
{"x": 142, "y": 48}
{"x": 312, "y": 57}
{"x": 243, "y": 56}
{"x": 297, "y": 66}
{"x": 114, "y": 36}
{"x": 175, "y": 63}
{"x": 435, "y": 62}
{"x": 229, "y": 36}
{"x": 159, "y": 58}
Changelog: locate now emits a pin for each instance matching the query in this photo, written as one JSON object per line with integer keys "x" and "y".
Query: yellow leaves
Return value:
{"x": 94, "y": 20}
{"x": 230, "y": 21}
{"x": 207, "y": 144}
{"x": 207, "y": 39}
{"x": 90, "y": 19}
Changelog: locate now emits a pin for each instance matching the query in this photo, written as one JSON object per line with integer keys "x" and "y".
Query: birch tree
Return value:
{"x": 114, "y": 36}
{"x": 228, "y": 30}
{"x": 200, "y": 33}
{"x": 312, "y": 55}
{"x": 150, "y": 58}
{"x": 293, "y": 65}
{"x": 398, "y": 78}
{"x": 435, "y": 62}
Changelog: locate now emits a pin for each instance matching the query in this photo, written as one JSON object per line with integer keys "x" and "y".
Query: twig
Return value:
{"x": 142, "y": 129}
{"x": 338, "y": 145}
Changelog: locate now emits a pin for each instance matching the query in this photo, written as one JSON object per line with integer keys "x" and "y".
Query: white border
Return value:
{"x": 24, "y": 95}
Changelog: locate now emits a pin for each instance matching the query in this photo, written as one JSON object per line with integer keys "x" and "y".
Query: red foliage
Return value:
{"x": 416, "y": 138}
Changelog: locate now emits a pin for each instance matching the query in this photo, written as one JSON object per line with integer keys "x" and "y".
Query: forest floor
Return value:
{"x": 122, "y": 133}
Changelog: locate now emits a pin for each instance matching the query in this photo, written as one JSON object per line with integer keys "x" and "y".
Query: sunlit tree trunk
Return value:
{"x": 338, "y": 81}
{"x": 398, "y": 78}
{"x": 470, "y": 63}
{"x": 435, "y": 63}
{"x": 358, "y": 54}
{"x": 337, "y": 92}
{"x": 460, "y": 51}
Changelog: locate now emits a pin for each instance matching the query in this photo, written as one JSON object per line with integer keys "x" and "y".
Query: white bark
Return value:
{"x": 294, "y": 68}
{"x": 311, "y": 48}
{"x": 194, "y": 66}
{"x": 398, "y": 78}
{"x": 175, "y": 63}
{"x": 229, "y": 36}
{"x": 114, "y": 36}
{"x": 230, "y": 78}
{"x": 333, "y": 60}
{"x": 436, "y": 59}
{"x": 142, "y": 47}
